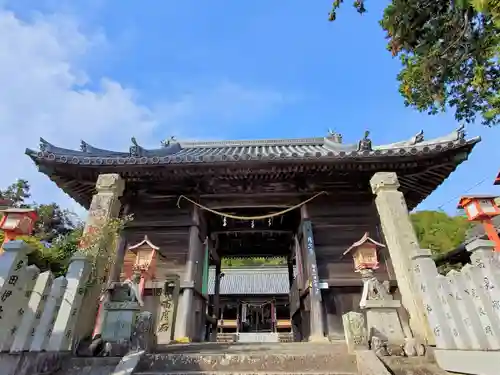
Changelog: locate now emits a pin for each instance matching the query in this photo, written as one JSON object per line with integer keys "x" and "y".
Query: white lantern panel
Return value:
{"x": 487, "y": 206}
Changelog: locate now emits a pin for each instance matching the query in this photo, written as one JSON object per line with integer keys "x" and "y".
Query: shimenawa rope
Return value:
{"x": 261, "y": 217}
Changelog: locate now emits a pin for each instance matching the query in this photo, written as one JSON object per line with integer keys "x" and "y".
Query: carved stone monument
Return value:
{"x": 120, "y": 312}
{"x": 355, "y": 332}
{"x": 142, "y": 332}
{"x": 382, "y": 317}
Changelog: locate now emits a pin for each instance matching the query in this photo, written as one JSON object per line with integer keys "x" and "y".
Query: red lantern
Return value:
{"x": 482, "y": 209}
{"x": 479, "y": 207}
{"x": 17, "y": 222}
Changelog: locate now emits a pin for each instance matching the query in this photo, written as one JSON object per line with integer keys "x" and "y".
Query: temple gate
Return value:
{"x": 305, "y": 200}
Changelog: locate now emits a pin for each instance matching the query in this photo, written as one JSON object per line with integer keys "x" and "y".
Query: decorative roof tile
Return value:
{"x": 478, "y": 232}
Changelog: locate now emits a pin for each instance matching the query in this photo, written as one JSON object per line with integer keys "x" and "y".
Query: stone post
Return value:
{"x": 12, "y": 274}
{"x": 71, "y": 314}
{"x": 48, "y": 315}
{"x": 316, "y": 320}
{"x": 26, "y": 331}
{"x": 402, "y": 245}
{"x": 168, "y": 308}
{"x": 185, "y": 314}
{"x": 21, "y": 288}
{"x": 14, "y": 258}
{"x": 105, "y": 206}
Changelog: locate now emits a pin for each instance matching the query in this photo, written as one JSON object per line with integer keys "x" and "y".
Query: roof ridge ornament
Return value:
{"x": 169, "y": 142}
{"x": 334, "y": 136}
{"x": 44, "y": 145}
{"x": 365, "y": 144}
{"x": 461, "y": 132}
{"x": 419, "y": 137}
{"x": 135, "y": 149}
{"x": 83, "y": 146}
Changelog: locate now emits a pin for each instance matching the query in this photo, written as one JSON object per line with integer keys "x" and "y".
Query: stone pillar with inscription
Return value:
{"x": 21, "y": 287}
{"x": 168, "y": 308}
{"x": 30, "y": 320}
{"x": 47, "y": 317}
{"x": 185, "y": 314}
{"x": 73, "y": 310}
{"x": 105, "y": 206}
{"x": 316, "y": 332}
{"x": 402, "y": 245}
{"x": 12, "y": 268}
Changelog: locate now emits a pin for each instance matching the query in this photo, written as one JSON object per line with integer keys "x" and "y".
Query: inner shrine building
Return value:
{"x": 301, "y": 200}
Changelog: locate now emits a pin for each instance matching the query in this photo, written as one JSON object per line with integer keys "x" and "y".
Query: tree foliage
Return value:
{"x": 252, "y": 262}
{"x": 440, "y": 233}
{"x": 449, "y": 51}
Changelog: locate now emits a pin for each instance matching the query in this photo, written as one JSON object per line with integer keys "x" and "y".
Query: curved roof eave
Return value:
{"x": 305, "y": 149}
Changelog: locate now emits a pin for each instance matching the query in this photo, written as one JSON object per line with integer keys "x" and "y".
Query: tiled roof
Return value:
{"x": 477, "y": 231}
{"x": 251, "y": 280}
{"x": 173, "y": 152}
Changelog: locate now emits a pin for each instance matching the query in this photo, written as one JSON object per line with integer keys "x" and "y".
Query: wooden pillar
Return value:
{"x": 217, "y": 314}
{"x": 185, "y": 314}
{"x": 316, "y": 332}
{"x": 290, "y": 270}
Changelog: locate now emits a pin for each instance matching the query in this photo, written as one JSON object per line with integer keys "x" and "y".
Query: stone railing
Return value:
{"x": 463, "y": 309}
{"x": 37, "y": 311}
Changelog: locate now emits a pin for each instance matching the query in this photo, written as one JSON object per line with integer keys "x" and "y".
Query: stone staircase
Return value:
{"x": 258, "y": 358}
{"x": 227, "y": 338}
{"x": 225, "y": 359}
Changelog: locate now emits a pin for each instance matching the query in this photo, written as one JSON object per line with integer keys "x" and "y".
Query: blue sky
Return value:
{"x": 220, "y": 69}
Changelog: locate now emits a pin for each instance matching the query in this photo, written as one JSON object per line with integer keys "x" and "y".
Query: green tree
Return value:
{"x": 230, "y": 262}
{"x": 440, "y": 232}
{"x": 17, "y": 193}
{"x": 449, "y": 52}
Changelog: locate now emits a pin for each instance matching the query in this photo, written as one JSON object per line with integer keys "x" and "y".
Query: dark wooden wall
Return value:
{"x": 167, "y": 227}
{"x": 337, "y": 224}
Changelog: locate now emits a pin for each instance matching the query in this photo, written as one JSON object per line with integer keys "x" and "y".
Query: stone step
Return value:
{"x": 240, "y": 373}
{"x": 88, "y": 366}
{"x": 244, "y": 348}
{"x": 290, "y": 358}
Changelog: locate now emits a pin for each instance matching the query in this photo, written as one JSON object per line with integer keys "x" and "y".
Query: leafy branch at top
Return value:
{"x": 449, "y": 51}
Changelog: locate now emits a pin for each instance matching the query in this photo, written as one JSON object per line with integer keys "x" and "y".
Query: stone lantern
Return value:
{"x": 17, "y": 222}
{"x": 482, "y": 209}
{"x": 382, "y": 319}
{"x": 365, "y": 255}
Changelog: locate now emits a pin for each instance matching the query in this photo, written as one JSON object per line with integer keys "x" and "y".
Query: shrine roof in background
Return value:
{"x": 251, "y": 281}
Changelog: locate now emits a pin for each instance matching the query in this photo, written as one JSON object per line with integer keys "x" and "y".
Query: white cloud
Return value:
{"x": 44, "y": 92}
